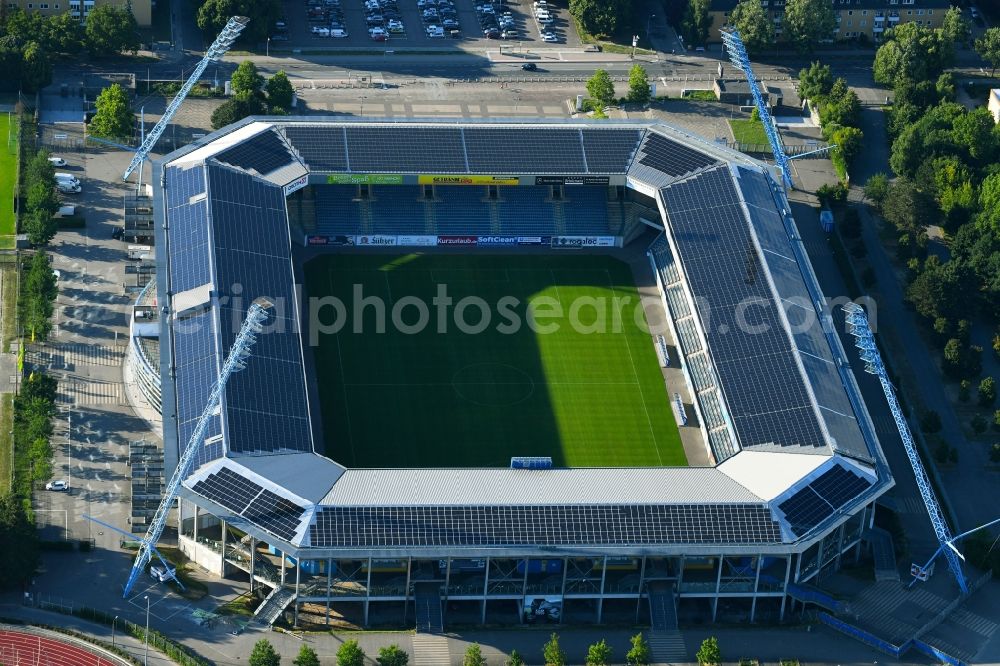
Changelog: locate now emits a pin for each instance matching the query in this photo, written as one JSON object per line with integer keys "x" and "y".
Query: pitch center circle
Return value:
{"x": 493, "y": 384}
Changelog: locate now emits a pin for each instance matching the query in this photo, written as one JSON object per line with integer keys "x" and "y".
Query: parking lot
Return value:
{"x": 414, "y": 23}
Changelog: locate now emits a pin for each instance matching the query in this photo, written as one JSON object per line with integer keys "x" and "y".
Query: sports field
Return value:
{"x": 8, "y": 175}
{"x": 445, "y": 396}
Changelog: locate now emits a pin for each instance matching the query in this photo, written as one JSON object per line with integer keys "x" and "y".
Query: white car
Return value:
{"x": 320, "y": 31}
{"x": 339, "y": 33}
{"x": 549, "y": 37}
{"x": 57, "y": 485}
{"x": 396, "y": 26}
{"x": 162, "y": 573}
{"x": 57, "y": 161}
{"x": 66, "y": 187}
{"x": 435, "y": 31}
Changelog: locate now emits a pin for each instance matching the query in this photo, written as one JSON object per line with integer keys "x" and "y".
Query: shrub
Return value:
{"x": 474, "y": 656}
{"x": 941, "y": 452}
{"x": 930, "y": 422}
{"x": 552, "y": 653}
{"x": 978, "y": 424}
{"x": 709, "y": 653}
{"x": 392, "y": 655}
{"x": 350, "y": 654}
{"x": 987, "y": 392}
{"x": 850, "y": 226}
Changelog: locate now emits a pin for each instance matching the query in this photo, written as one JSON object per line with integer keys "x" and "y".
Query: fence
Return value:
{"x": 180, "y": 654}
{"x": 874, "y": 641}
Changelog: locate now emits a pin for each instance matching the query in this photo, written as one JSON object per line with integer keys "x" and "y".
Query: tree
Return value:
{"x": 392, "y": 655}
{"x": 911, "y": 51}
{"x": 876, "y": 189}
{"x": 930, "y": 422}
{"x": 945, "y": 87}
{"x": 974, "y": 131}
{"x": 987, "y": 392}
{"x": 42, "y": 197}
{"x": 552, "y": 654}
{"x": 238, "y": 107}
{"x": 36, "y": 67}
{"x": 697, "y": 22}
{"x": 474, "y": 656}
{"x": 808, "y": 22}
{"x": 350, "y": 654}
{"x": 849, "y": 143}
{"x": 988, "y": 48}
{"x": 514, "y": 659}
{"x": 246, "y": 79}
{"x": 841, "y": 106}
{"x": 18, "y": 543}
{"x": 113, "y": 118}
{"x": 600, "y": 88}
{"x": 65, "y": 34}
{"x": 709, "y": 653}
{"x": 40, "y": 227}
{"x": 816, "y": 82}
{"x": 601, "y": 17}
{"x": 638, "y": 85}
{"x": 639, "y": 654}
{"x": 955, "y": 27}
{"x": 213, "y": 14}
{"x": 279, "y": 91}
{"x": 755, "y": 27}
{"x": 599, "y": 654}
{"x": 264, "y": 654}
{"x": 306, "y": 657}
{"x": 35, "y": 302}
{"x": 906, "y": 207}
{"x": 112, "y": 30}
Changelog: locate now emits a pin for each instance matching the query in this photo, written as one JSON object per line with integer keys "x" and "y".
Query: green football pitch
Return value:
{"x": 545, "y": 375}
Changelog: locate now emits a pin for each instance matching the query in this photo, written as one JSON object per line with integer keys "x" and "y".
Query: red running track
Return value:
{"x": 23, "y": 649}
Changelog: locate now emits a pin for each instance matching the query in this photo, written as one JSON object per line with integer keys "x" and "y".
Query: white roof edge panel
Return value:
{"x": 768, "y": 474}
{"x": 509, "y": 487}
{"x": 220, "y": 144}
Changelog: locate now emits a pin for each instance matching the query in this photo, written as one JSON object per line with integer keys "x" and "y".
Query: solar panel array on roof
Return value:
{"x": 583, "y": 525}
{"x": 824, "y": 495}
{"x": 189, "y": 231}
{"x": 609, "y": 150}
{"x": 263, "y": 153}
{"x": 322, "y": 147}
{"x": 242, "y": 496}
{"x": 228, "y": 489}
{"x": 384, "y": 149}
{"x": 266, "y": 404}
{"x": 275, "y": 514}
{"x": 765, "y": 393}
{"x": 196, "y": 365}
{"x": 524, "y": 150}
{"x": 182, "y": 184}
{"x": 672, "y": 158}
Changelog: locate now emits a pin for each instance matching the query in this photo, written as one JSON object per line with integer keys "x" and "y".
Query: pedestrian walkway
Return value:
{"x": 430, "y": 650}
{"x": 667, "y": 647}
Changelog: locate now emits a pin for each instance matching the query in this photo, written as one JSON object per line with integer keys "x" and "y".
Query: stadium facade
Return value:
{"x": 796, "y": 465}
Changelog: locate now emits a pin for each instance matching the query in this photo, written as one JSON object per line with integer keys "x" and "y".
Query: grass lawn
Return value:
{"x": 460, "y": 399}
{"x": 8, "y": 172}
{"x": 8, "y": 303}
{"x": 6, "y": 441}
{"x": 749, "y": 131}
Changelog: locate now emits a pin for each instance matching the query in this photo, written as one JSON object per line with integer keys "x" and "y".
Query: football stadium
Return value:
{"x": 519, "y": 371}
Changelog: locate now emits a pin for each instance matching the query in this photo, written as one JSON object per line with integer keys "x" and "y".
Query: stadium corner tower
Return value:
{"x": 792, "y": 463}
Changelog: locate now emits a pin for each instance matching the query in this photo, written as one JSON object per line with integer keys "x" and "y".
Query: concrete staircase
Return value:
{"x": 430, "y": 650}
{"x": 427, "y": 600}
{"x": 662, "y": 606}
{"x": 884, "y": 554}
{"x": 273, "y": 606}
{"x": 667, "y": 647}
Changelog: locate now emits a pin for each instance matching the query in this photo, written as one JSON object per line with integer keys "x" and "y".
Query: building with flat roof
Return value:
{"x": 794, "y": 466}
{"x": 865, "y": 20}
{"x": 141, "y": 9}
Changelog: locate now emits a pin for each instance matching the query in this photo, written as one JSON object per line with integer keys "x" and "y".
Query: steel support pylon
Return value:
{"x": 857, "y": 325}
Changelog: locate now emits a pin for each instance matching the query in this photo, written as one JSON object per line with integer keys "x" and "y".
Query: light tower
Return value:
{"x": 235, "y": 362}
{"x": 222, "y": 43}
{"x": 857, "y": 325}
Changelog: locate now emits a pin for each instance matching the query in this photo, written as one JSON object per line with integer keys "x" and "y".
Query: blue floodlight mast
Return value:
{"x": 235, "y": 362}
{"x": 738, "y": 56}
{"x": 857, "y": 325}
{"x": 218, "y": 48}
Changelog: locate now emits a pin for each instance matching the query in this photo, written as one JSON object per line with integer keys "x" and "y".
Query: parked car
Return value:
{"x": 57, "y": 486}
{"x": 529, "y": 67}
{"x": 57, "y": 161}
{"x": 435, "y": 31}
{"x": 339, "y": 33}
{"x": 68, "y": 188}
{"x": 378, "y": 34}
{"x": 320, "y": 31}
{"x": 549, "y": 37}
{"x": 396, "y": 26}
{"x": 279, "y": 37}
{"x": 162, "y": 573}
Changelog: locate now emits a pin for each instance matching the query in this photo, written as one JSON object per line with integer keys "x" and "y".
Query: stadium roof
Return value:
{"x": 223, "y": 235}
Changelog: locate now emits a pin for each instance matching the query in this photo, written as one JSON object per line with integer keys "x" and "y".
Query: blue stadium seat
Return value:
{"x": 462, "y": 209}
{"x": 526, "y": 210}
{"x": 336, "y": 211}
{"x": 586, "y": 211}
{"x": 397, "y": 209}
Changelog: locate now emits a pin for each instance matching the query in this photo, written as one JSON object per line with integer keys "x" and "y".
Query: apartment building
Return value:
{"x": 142, "y": 9}
{"x": 856, "y": 19}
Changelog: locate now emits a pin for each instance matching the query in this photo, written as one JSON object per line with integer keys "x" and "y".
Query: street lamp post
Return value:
{"x": 145, "y": 656}
{"x": 114, "y": 623}
{"x": 267, "y": 52}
